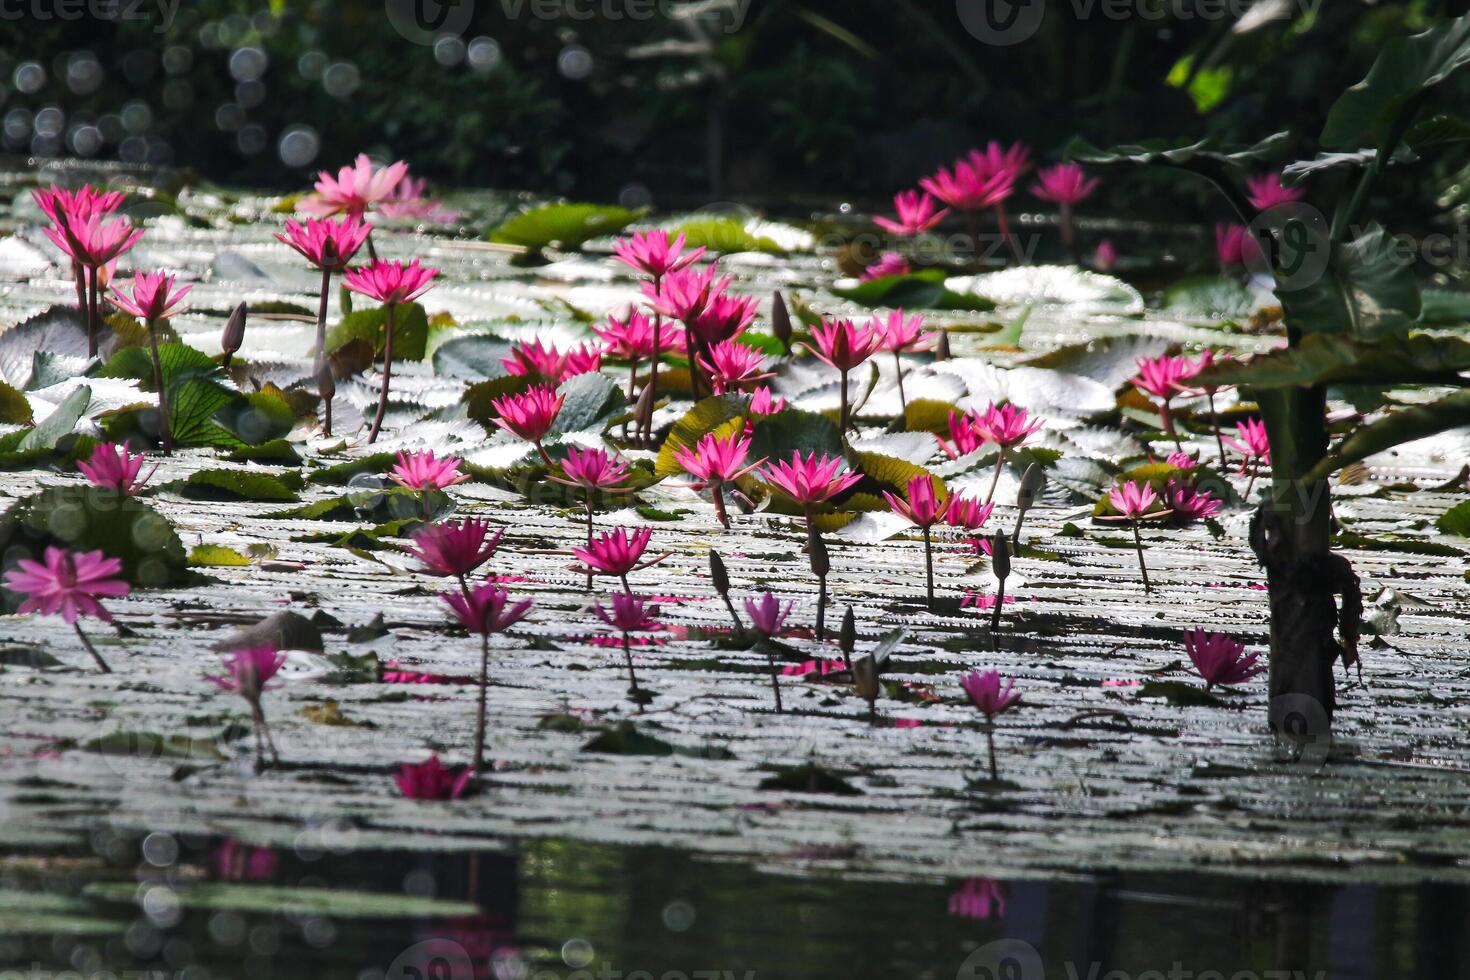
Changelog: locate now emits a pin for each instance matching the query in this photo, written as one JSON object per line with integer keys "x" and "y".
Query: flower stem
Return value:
{"x": 164, "y": 429}
{"x": 321, "y": 348}
{"x": 1138, "y": 543}
{"x": 1069, "y": 237}
{"x": 1000, "y": 462}
{"x": 387, "y": 371}
{"x": 93, "y": 313}
{"x": 1000, "y": 600}
{"x": 1004, "y": 224}
{"x": 775, "y": 682}
{"x": 632, "y": 676}
{"x": 973, "y": 227}
{"x": 842, "y": 415}
{"x": 101, "y": 664}
{"x": 1215, "y": 423}
{"x": 1166, "y": 416}
{"x": 898, "y": 371}
{"x": 658, "y": 322}
{"x": 589, "y": 536}
{"x": 545, "y": 456}
{"x": 479, "y": 751}
{"x": 929, "y": 566}
{"x": 734, "y": 616}
{"x": 990, "y": 742}
{"x": 821, "y": 608}
{"x": 716, "y": 492}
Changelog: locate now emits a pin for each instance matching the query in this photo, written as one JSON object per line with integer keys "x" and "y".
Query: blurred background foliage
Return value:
{"x": 805, "y": 100}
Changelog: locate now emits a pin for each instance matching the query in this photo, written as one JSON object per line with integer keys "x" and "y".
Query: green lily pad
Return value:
{"x": 294, "y": 902}
{"x": 89, "y": 519}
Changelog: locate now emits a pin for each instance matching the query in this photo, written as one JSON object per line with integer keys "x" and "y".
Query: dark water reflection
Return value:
{"x": 549, "y": 909}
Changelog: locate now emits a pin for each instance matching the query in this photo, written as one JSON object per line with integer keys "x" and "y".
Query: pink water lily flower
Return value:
{"x": 591, "y": 469}
{"x": 1064, "y": 183}
{"x": 900, "y": 333}
{"x": 811, "y": 480}
{"x": 989, "y": 692}
{"x": 354, "y": 189}
{"x": 432, "y": 780}
{"x": 978, "y": 898}
{"x": 682, "y": 293}
{"x": 917, "y": 213}
{"x": 886, "y": 264}
{"x": 722, "y": 317}
{"x": 1164, "y": 377}
{"x": 92, "y": 239}
{"x": 486, "y": 609}
{"x": 765, "y": 402}
{"x": 733, "y": 366}
{"x": 409, "y": 202}
{"x": 1266, "y": 191}
{"x": 529, "y": 415}
{"x": 61, "y": 204}
{"x": 1006, "y": 425}
{"x": 1236, "y": 246}
{"x": 1188, "y": 504}
{"x": 653, "y": 254}
{"x": 1105, "y": 256}
{"x": 966, "y": 187}
{"x": 454, "y": 547}
{"x": 767, "y": 614}
{"x": 966, "y": 513}
{"x": 617, "y": 553}
{"x": 1220, "y": 659}
{"x": 327, "y": 243}
{"x": 548, "y": 362}
{"x": 1182, "y": 460}
{"x": 922, "y": 509}
{"x": 843, "y": 345}
{"x": 422, "y": 472}
{"x": 391, "y": 283}
{"x": 1254, "y": 445}
{"x": 628, "y": 613}
{"x": 68, "y": 583}
{"x": 1133, "y": 500}
{"x": 716, "y": 460}
{"x": 249, "y": 672}
{"x": 631, "y": 339}
{"x": 112, "y": 468}
{"x": 152, "y": 296}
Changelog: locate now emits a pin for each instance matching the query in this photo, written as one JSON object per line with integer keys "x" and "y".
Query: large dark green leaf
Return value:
{"x": 1395, "y": 429}
{"x": 915, "y": 290}
{"x": 1406, "y": 68}
{"x": 592, "y": 401}
{"x": 1440, "y": 130}
{"x": 1338, "y": 359}
{"x": 410, "y": 331}
{"x": 707, "y": 416}
{"x": 59, "y": 423}
{"x": 1189, "y": 155}
{"x": 1367, "y": 290}
{"x": 564, "y": 225}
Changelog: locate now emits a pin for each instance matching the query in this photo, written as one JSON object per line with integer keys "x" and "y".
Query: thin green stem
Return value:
{"x": 1142, "y": 568}
{"x": 86, "y": 642}
{"x": 387, "y": 371}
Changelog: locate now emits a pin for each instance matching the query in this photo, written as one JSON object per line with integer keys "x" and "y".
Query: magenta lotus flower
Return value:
{"x": 529, "y": 415}
{"x": 112, "y": 468}
{"x": 391, "y": 283}
{"x": 329, "y": 244}
{"x": 844, "y": 345}
{"x": 917, "y": 213}
{"x": 92, "y": 239}
{"x": 421, "y": 471}
{"x": 1236, "y": 246}
{"x": 968, "y": 188}
{"x": 922, "y": 509}
{"x": 486, "y": 609}
{"x": 591, "y": 469}
{"x": 653, "y": 254}
{"x": 900, "y": 333}
{"x": 1007, "y": 425}
{"x": 409, "y": 202}
{"x": 61, "y": 204}
{"x": 978, "y": 898}
{"x": 548, "y": 362}
{"x": 628, "y": 613}
{"x": 1188, "y": 504}
{"x": 617, "y": 553}
{"x": 67, "y": 584}
{"x": 454, "y": 548}
{"x": 1105, "y": 256}
{"x": 767, "y": 614}
{"x": 1220, "y": 659}
{"x": 1133, "y": 500}
{"x": 1182, "y": 460}
{"x": 966, "y": 513}
{"x": 152, "y": 297}
{"x": 432, "y": 780}
{"x": 886, "y": 264}
{"x": 722, "y": 317}
{"x": 765, "y": 402}
{"x": 1164, "y": 377}
{"x": 714, "y": 462}
{"x": 1065, "y": 183}
{"x": 631, "y": 339}
{"x": 992, "y": 695}
{"x": 733, "y": 366}
{"x": 1265, "y": 192}
{"x": 964, "y": 435}
{"x": 811, "y": 480}
{"x": 236, "y": 861}
{"x": 1254, "y": 445}
{"x": 354, "y": 189}
{"x": 682, "y": 294}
